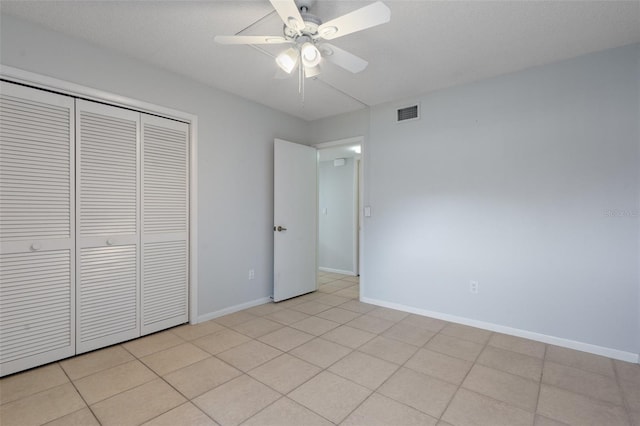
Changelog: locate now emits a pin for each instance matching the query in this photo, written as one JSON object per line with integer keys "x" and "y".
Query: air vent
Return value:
{"x": 408, "y": 113}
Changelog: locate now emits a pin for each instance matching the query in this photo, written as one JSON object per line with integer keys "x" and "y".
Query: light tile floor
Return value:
{"x": 326, "y": 358}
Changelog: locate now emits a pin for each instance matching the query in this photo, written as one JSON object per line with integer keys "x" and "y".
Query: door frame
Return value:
{"x": 358, "y": 249}
{"x": 39, "y": 81}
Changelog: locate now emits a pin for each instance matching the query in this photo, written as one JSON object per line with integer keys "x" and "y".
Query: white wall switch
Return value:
{"x": 367, "y": 211}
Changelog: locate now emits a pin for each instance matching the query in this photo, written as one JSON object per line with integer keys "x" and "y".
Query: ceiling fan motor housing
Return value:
{"x": 311, "y": 24}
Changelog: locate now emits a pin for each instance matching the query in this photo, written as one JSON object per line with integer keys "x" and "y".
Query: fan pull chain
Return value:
{"x": 301, "y": 83}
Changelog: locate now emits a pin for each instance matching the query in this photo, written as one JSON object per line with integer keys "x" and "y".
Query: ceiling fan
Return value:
{"x": 305, "y": 33}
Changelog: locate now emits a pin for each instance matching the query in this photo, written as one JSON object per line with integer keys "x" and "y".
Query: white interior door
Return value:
{"x": 295, "y": 220}
{"x": 107, "y": 176}
{"x": 165, "y": 223}
{"x": 37, "y": 300}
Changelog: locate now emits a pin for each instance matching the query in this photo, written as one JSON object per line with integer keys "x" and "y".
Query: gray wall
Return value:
{"x": 337, "y": 194}
{"x": 235, "y": 153}
{"x": 527, "y": 183}
{"x": 340, "y": 127}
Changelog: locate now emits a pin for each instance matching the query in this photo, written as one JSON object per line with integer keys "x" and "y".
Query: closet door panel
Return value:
{"x": 165, "y": 285}
{"x": 108, "y": 169}
{"x": 108, "y": 301}
{"x": 165, "y": 223}
{"x": 108, "y": 230}
{"x": 36, "y": 302}
{"x": 37, "y": 298}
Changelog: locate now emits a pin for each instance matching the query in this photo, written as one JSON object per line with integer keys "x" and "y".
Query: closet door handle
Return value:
{"x": 109, "y": 242}
{"x": 35, "y": 246}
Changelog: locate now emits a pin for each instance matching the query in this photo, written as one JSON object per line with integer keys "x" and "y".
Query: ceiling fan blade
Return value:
{"x": 369, "y": 16}
{"x": 236, "y": 39}
{"x": 289, "y": 13}
{"x": 342, "y": 58}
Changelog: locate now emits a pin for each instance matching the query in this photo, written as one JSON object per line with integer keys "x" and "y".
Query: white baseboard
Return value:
{"x": 337, "y": 271}
{"x": 232, "y": 309}
{"x": 558, "y": 341}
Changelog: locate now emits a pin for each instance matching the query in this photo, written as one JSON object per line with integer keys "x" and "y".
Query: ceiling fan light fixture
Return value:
{"x": 311, "y": 71}
{"x": 310, "y": 55}
{"x": 287, "y": 60}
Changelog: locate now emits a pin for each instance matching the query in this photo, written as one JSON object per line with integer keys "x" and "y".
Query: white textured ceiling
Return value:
{"x": 428, "y": 45}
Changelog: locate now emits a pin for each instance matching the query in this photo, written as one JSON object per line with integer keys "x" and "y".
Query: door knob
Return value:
{"x": 281, "y": 228}
{"x": 109, "y": 242}
{"x": 35, "y": 246}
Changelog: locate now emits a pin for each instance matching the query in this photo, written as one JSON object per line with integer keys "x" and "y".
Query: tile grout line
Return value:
{"x": 165, "y": 381}
{"x": 474, "y": 363}
{"x": 375, "y": 391}
{"x": 323, "y": 368}
{"x": 302, "y": 331}
{"x": 582, "y": 370}
{"x": 506, "y": 372}
{"x": 284, "y": 326}
{"x": 403, "y": 365}
{"x": 80, "y": 394}
{"x": 40, "y": 391}
{"x": 453, "y": 356}
{"x": 285, "y": 395}
{"x": 586, "y": 395}
{"x": 262, "y": 409}
{"x": 544, "y": 359}
{"x": 625, "y": 403}
{"x": 326, "y": 369}
{"x": 486, "y": 343}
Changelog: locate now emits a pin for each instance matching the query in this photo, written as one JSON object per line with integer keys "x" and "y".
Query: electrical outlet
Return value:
{"x": 252, "y": 274}
{"x": 473, "y": 287}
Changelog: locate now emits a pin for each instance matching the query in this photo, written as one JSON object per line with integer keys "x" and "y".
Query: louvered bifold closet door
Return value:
{"x": 165, "y": 223}
{"x": 37, "y": 298}
{"x": 108, "y": 225}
